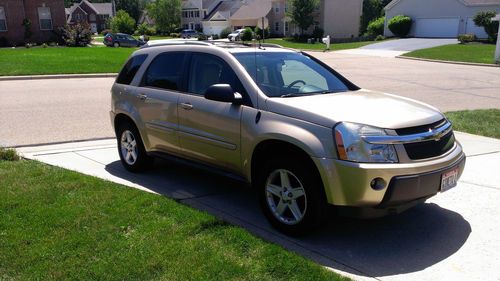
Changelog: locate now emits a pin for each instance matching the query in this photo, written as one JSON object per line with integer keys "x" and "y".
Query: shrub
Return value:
{"x": 376, "y": 27}
{"x": 174, "y": 35}
{"x": 215, "y": 36}
{"x": 105, "y": 31}
{"x": 466, "y": 38}
{"x": 379, "y": 38}
{"x": 8, "y": 154}
{"x": 44, "y": 45}
{"x": 247, "y": 34}
{"x": 483, "y": 18}
{"x": 400, "y": 25}
{"x": 202, "y": 37}
{"x": 258, "y": 32}
{"x": 318, "y": 32}
{"x": 224, "y": 33}
{"x": 122, "y": 22}
{"x": 78, "y": 35}
{"x": 142, "y": 29}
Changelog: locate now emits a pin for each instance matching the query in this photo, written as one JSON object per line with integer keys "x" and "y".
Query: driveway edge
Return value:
{"x": 58, "y": 76}
{"x": 449, "y": 62}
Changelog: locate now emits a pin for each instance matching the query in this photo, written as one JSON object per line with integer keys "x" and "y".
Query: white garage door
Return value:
{"x": 474, "y": 29}
{"x": 437, "y": 27}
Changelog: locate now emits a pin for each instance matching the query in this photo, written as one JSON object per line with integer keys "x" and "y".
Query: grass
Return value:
{"x": 58, "y": 225}
{"x": 473, "y": 52}
{"x": 485, "y": 122}
{"x": 62, "y": 60}
{"x": 318, "y": 46}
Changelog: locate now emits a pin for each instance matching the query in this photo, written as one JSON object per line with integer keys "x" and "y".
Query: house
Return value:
{"x": 213, "y": 16}
{"x": 46, "y": 16}
{"x": 338, "y": 18}
{"x": 95, "y": 14}
{"x": 440, "y": 18}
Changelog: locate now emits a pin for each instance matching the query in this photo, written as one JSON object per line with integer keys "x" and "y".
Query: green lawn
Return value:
{"x": 35, "y": 61}
{"x": 101, "y": 38}
{"x": 479, "y": 122}
{"x": 473, "y": 52}
{"x": 61, "y": 225}
{"x": 318, "y": 46}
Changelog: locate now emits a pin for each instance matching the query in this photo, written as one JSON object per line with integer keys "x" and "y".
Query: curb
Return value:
{"x": 58, "y": 76}
{"x": 449, "y": 62}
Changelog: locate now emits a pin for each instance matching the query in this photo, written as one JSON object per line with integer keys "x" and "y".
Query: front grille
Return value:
{"x": 427, "y": 149}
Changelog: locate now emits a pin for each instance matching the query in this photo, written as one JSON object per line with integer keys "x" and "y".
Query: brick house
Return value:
{"x": 95, "y": 14}
{"x": 46, "y": 16}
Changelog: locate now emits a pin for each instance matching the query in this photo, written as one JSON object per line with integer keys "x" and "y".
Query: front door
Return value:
{"x": 93, "y": 27}
{"x": 209, "y": 130}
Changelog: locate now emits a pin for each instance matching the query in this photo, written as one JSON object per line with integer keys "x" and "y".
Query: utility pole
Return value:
{"x": 497, "y": 51}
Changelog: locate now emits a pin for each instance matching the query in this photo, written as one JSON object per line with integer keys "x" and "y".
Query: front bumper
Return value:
{"x": 348, "y": 183}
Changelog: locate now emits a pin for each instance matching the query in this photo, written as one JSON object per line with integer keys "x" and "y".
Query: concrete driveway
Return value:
{"x": 454, "y": 236}
{"x": 397, "y": 47}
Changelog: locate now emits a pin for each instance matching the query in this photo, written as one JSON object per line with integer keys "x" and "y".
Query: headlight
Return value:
{"x": 352, "y": 147}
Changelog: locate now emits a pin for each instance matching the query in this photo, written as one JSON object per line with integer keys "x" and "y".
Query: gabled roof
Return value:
{"x": 104, "y": 8}
{"x": 471, "y": 3}
{"x": 252, "y": 10}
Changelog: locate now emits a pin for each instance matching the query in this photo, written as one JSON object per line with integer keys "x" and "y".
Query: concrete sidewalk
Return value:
{"x": 454, "y": 236}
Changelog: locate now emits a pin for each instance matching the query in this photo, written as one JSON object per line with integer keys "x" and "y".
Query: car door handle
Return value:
{"x": 142, "y": 97}
{"x": 186, "y": 106}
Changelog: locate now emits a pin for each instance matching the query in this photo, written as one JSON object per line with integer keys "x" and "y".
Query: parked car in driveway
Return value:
{"x": 121, "y": 40}
{"x": 303, "y": 135}
{"x": 189, "y": 33}
{"x": 235, "y": 35}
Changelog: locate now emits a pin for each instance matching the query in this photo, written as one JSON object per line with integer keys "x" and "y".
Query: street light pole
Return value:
{"x": 497, "y": 51}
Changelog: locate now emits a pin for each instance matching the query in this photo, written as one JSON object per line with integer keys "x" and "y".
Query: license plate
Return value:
{"x": 449, "y": 180}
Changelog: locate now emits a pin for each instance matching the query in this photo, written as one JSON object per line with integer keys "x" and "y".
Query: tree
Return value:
{"x": 132, "y": 7}
{"x": 166, "y": 14}
{"x": 122, "y": 22}
{"x": 301, "y": 13}
{"x": 372, "y": 9}
{"x": 78, "y": 35}
{"x": 483, "y": 18}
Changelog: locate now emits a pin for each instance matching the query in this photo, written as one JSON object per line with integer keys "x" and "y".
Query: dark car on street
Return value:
{"x": 121, "y": 40}
{"x": 189, "y": 33}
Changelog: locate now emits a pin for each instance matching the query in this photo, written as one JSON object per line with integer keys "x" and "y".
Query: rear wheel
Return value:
{"x": 131, "y": 149}
{"x": 116, "y": 44}
{"x": 291, "y": 195}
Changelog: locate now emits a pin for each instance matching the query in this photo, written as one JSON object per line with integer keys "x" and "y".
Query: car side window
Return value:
{"x": 207, "y": 70}
{"x": 165, "y": 71}
{"x": 130, "y": 69}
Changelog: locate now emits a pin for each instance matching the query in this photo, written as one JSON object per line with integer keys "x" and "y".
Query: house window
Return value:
{"x": 197, "y": 14}
{"x": 286, "y": 7}
{"x": 45, "y": 18}
{"x": 277, "y": 8}
{"x": 3, "y": 20}
{"x": 277, "y": 26}
{"x": 287, "y": 26}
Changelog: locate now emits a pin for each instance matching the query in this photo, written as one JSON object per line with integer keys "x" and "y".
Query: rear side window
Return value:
{"x": 165, "y": 72}
{"x": 130, "y": 69}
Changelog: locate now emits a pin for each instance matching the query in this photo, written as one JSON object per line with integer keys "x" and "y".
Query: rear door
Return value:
{"x": 209, "y": 130}
{"x": 157, "y": 96}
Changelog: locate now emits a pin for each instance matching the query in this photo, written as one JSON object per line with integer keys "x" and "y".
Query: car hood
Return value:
{"x": 364, "y": 107}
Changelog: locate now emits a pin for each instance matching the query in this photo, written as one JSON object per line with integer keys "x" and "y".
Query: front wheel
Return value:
{"x": 291, "y": 195}
{"x": 131, "y": 149}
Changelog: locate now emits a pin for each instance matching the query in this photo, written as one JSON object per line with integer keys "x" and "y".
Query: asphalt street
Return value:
{"x": 59, "y": 110}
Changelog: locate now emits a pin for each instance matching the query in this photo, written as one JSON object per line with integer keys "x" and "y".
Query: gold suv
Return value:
{"x": 285, "y": 122}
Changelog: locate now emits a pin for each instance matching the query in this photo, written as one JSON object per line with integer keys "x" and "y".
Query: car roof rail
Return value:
{"x": 170, "y": 42}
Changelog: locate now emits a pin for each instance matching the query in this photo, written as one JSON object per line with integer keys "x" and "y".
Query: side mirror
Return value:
{"x": 223, "y": 93}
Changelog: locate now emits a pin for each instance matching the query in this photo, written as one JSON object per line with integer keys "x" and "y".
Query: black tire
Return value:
{"x": 116, "y": 45}
{"x": 314, "y": 201}
{"x": 142, "y": 160}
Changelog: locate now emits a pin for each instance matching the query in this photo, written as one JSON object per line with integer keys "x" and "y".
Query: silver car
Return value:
{"x": 304, "y": 136}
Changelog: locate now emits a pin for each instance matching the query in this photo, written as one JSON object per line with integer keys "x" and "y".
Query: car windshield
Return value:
{"x": 129, "y": 37}
{"x": 286, "y": 74}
